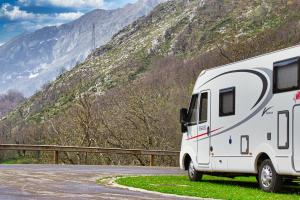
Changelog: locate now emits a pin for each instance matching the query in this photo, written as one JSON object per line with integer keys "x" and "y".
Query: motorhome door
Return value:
{"x": 192, "y": 122}
{"x": 203, "y": 139}
{"x": 296, "y": 137}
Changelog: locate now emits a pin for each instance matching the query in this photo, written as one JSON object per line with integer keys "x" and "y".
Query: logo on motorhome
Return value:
{"x": 297, "y": 96}
{"x": 267, "y": 111}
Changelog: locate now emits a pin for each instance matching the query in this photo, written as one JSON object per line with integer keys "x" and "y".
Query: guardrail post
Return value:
{"x": 55, "y": 159}
{"x": 152, "y": 160}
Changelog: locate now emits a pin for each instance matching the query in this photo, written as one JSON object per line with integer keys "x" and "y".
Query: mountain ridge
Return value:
{"x": 31, "y": 59}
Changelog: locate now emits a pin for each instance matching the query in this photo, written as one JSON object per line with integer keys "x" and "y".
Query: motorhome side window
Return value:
{"x": 286, "y": 75}
{"x": 192, "y": 115}
{"x": 227, "y": 102}
{"x": 203, "y": 108}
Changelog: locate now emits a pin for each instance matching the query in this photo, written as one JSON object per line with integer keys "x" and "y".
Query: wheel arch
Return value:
{"x": 264, "y": 151}
{"x": 259, "y": 159}
{"x": 186, "y": 161}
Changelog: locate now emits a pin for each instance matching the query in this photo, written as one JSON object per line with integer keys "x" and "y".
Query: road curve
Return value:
{"x": 27, "y": 182}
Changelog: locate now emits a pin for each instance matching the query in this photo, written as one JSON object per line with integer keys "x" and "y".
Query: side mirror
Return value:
{"x": 183, "y": 119}
{"x": 183, "y": 115}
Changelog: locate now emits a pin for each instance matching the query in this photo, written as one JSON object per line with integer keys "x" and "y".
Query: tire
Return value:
{"x": 193, "y": 174}
{"x": 268, "y": 179}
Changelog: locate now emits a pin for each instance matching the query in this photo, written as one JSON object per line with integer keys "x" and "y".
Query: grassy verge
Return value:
{"x": 20, "y": 160}
{"x": 240, "y": 188}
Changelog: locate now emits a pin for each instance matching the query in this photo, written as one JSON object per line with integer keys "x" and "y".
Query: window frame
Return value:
{"x": 287, "y": 145}
{"x": 283, "y": 63}
{"x": 241, "y": 145}
{"x": 200, "y": 108}
{"x": 189, "y": 116}
{"x": 221, "y": 92}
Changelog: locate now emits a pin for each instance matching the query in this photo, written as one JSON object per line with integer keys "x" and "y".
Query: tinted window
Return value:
{"x": 227, "y": 102}
{"x": 203, "y": 108}
{"x": 192, "y": 115}
{"x": 286, "y": 75}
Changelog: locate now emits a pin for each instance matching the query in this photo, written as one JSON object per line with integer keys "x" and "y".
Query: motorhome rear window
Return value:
{"x": 227, "y": 102}
{"x": 286, "y": 75}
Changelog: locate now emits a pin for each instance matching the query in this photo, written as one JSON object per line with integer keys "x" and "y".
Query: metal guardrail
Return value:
{"x": 56, "y": 149}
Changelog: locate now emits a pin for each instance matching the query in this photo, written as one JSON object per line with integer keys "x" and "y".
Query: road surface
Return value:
{"x": 26, "y": 182}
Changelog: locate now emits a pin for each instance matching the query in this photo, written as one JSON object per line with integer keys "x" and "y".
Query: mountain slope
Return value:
{"x": 32, "y": 59}
{"x": 128, "y": 92}
{"x": 174, "y": 28}
{"x": 9, "y": 101}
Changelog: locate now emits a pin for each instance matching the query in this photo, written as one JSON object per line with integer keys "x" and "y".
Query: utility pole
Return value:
{"x": 93, "y": 38}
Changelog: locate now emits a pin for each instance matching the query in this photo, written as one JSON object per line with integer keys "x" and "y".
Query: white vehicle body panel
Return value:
{"x": 234, "y": 143}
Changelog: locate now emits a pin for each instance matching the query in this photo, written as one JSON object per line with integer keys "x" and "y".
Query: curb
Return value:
{"x": 112, "y": 182}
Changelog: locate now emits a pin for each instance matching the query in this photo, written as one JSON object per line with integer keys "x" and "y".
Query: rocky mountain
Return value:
{"x": 32, "y": 59}
{"x": 127, "y": 93}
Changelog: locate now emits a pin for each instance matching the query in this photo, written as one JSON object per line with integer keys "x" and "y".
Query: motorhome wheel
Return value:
{"x": 269, "y": 180}
{"x": 194, "y": 175}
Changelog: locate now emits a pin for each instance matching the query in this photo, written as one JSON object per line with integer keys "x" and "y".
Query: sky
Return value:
{"x": 19, "y": 16}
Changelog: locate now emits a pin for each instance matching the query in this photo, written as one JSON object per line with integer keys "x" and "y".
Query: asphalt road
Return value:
{"x": 71, "y": 182}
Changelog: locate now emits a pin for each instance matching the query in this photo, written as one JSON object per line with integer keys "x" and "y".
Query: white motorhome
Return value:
{"x": 244, "y": 119}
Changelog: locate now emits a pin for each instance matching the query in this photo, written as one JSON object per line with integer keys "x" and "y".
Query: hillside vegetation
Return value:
{"x": 9, "y": 101}
{"x": 127, "y": 94}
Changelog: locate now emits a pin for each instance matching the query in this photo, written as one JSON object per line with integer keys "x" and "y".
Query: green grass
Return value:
{"x": 243, "y": 188}
{"x": 21, "y": 160}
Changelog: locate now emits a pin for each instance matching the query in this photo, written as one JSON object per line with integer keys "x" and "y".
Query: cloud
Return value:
{"x": 68, "y": 16}
{"x": 14, "y": 12}
{"x": 83, "y": 5}
{"x": 24, "y": 2}
{"x": 80, "y": 4}
{"x": 22, "y": 21}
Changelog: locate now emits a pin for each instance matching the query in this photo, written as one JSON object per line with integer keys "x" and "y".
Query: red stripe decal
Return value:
{"x": 203, "y": 134}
